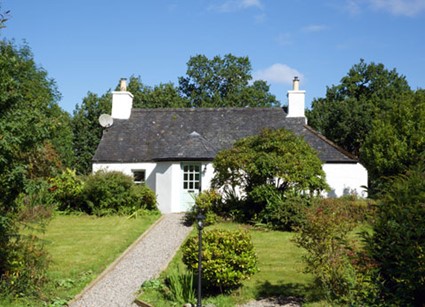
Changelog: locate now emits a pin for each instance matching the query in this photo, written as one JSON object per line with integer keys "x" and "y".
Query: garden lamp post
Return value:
{"x": 200, "y": 223}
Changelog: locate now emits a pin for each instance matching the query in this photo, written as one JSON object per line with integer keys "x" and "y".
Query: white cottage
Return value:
{"x": 171, "y": 150}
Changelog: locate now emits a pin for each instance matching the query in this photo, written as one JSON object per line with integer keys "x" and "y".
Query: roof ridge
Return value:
{"x": 205, "y": 109}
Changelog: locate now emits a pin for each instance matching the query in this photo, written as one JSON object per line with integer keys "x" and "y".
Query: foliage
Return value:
{"x": 86, "y": 128}
{"x": 160, "y": 96}
{"x": 33, "y": 147}
{"x": 223, "y": 82}
{"x": 207, "y": 203}
{"x": 23, "y": 257}
{"x": 4, "y": 16}
{"x": 396, "y": 140}
{"x": 67, "y": 188}
{"x": 397, "y": 243}
{"x": 345, "y": 115}
{"x": 23, "y": 266}
{"x": 283, "y": 213}
{"x": 181, "y": 287}
{"x": 114, "y": 192}
{"x": 340, "y": 267}
{"x": 228, "y": 258}
{"x": 269, "y": 167}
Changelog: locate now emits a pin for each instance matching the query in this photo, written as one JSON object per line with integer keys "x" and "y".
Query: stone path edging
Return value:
{"x": 142, "y": 260}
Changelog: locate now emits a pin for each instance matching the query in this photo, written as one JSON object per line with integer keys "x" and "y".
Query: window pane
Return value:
{"x": 139, "y": 176}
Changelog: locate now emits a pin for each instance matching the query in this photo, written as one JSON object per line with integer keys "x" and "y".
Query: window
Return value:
{"x": 139, "y": 176}
{"x": 191, "y": 177}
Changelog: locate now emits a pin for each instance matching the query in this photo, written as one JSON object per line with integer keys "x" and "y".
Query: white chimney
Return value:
{"x": 296, "y": 100}
{"x": 122, "y": 102}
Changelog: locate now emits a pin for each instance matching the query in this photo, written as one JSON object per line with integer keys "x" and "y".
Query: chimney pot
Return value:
{"x": 123, "y": 85}
{"x": 296, "y": 84}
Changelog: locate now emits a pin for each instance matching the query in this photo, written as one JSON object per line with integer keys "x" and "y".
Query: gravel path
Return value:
{"x": 145, "y": 259}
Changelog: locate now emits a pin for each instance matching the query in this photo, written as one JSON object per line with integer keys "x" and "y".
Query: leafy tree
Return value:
{"x": 275, "y": 164}
{"x": 396, "y": 139}
{"x": 29, "y": 134}
{"x": 223, "y": 82}
{"x": 397, "y": 242}
{"x": 160, "y": 96}
{"x": 345, "y": 115}
{"x": 28, "y": 122}
{"x": 86, "y": 128}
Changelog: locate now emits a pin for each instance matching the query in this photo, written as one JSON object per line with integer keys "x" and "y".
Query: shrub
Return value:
{"x": 26, "y": 266}
{"x": 397, "y": 243}
{"x": 67, "y": 189}
{"x": 114, "y": 192}
{"x": 23, "y": 259}
{"x": 228, "y": 258}
{"x": 181, "y": 287}
{"x": 142, "y": 197}
{"x": 207, "y": 203}
{"x": 334, "y": 258}
{"x": 281, "y": 212}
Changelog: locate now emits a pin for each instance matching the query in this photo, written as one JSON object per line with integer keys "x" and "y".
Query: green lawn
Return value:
{"x": 81, "y": 247}
{"x": 281, "y": 271}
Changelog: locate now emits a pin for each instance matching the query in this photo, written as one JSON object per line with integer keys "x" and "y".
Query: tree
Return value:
{"x": 396, "y": 139}
{"x": 397, "y": 242}
{"x": 86, "y": 128}
{"x": 223, "y": 82}
{"x": 28, "y": 117}
{"x": 345, "y": 115}
{"x": 160, "y": 96}
{"x": 276, "y": 164}
{"x": 32, "y": 144}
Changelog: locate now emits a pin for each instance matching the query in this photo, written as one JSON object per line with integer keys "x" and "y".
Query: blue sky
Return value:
{"x": 88, "y": 45}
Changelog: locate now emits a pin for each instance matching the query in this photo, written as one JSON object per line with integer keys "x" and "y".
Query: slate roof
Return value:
{"x": 198, "y": 134}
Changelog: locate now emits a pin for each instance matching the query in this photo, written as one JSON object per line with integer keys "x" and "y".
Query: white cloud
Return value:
{"x": 236, "y": 5}
{"x": 315, "y": 28}
{"x": 399, "y": 7}
{"x": 352, "y": 6}
{"x": 395, "y": 7}
{"x": 278, "y": 73}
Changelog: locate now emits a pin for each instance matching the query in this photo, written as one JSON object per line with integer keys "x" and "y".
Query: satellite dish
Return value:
{"x": 105, "y": 120}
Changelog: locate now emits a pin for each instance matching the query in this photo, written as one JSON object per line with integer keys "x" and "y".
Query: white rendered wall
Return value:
{"x": 164, "y": 178}
{"x": 127, "y": 168}
{"x": 207, "y": 175}
{"x": 345, "y": 179}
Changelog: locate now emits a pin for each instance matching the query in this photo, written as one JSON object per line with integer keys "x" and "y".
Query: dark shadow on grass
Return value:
{"x": 305, "y": 292}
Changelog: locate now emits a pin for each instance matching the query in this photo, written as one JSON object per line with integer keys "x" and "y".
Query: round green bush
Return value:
{"x": 228, "y": 258}
{"x": 114, "y": 192}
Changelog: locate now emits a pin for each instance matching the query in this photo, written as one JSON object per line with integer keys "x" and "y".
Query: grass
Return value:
{"x": 81, "y": 247}
{"x": 281, "y": 271}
